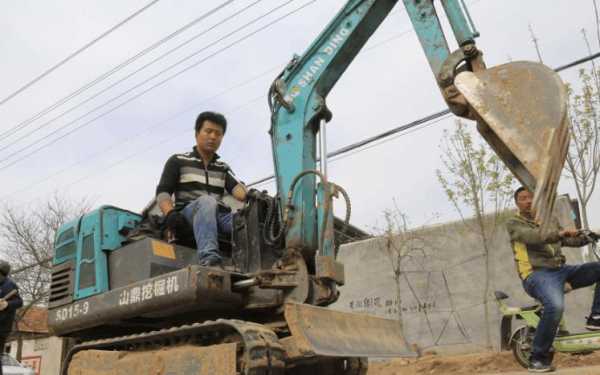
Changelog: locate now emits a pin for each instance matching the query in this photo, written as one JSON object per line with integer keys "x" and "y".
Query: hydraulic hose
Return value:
{"x": 273, "y": 216}
{"x": 348, "y": 203}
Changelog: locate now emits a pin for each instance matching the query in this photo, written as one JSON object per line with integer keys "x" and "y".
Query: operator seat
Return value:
{"x": 154, "y": 217}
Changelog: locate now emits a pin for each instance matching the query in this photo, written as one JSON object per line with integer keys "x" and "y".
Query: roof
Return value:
{"x": 34, "y": 321}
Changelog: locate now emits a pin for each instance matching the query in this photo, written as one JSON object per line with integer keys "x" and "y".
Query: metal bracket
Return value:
{"x": 473, "y": 61}
{"x": 279, "y": 93}
{"x": 330, "y": 269}
{"x": 277, "y": 279}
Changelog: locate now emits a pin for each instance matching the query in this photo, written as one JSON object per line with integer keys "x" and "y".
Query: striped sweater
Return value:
{"x": 186, "y": 176}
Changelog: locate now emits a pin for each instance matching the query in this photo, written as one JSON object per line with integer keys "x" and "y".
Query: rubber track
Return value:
{"x": 262, "y": 354}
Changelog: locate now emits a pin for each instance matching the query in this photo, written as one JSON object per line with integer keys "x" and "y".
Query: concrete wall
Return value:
{"x": 43, "y": 354}
{"x": 440, "y": 288}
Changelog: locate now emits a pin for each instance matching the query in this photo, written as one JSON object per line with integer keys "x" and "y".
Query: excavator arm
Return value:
{"x": 297, "y": 100}
{"x": 519, "y": 108}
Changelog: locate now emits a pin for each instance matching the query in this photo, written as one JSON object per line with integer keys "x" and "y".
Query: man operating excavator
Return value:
{"x": 198, "y": 179}
{"x": 545, "y": 276}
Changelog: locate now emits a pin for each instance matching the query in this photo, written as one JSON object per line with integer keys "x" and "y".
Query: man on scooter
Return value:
{"x": 541, "y": 267}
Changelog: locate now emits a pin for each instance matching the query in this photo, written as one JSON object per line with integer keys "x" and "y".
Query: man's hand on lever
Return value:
{"x": 569, "y": 233}
{"x": 240, "y": 192}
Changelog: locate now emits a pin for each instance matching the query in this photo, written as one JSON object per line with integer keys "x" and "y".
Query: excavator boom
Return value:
{"x": 520, "y": 107}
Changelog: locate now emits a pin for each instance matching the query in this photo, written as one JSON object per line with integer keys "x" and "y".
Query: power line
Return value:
{"x": 142, "y": 92}
{"x": 175, "y": 115}
{"x": 390, "y": 138}
{"x": 102, "y": 77}
{"x": 130, "y": 156}
{"x": 379, "y": 44}
{"x": 341, "y": 156}
{"x": 418, "y": 122}
{"x": 7, "y": 133}
{"x": 577, "y": 62}
{"x": 142, "y": 133}
{"x": 427, "y": 120}
{"x": 148, "y": 148}
{"x": 367, "y": 141}
{"x": 335, "y": 153}
{"x": 181, "y": 61}
{"x": 77, "y": 52}
{"x": 433, "y": 118}
{"x": 107, "y": 74}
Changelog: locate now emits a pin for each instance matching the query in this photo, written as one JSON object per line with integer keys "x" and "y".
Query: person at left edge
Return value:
{"x": 10, "y": 301}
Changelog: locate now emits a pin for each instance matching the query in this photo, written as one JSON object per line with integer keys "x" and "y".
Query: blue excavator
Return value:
{"x": 129, "y": 301}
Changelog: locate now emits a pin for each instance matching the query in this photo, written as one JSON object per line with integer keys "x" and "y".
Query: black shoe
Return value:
{"x": 593, "y": 323}
{"x": 211, "y": 262}
{"x": 539, "y": 366}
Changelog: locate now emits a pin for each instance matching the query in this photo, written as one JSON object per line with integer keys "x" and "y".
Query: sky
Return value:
{"x": 107, "y": 139}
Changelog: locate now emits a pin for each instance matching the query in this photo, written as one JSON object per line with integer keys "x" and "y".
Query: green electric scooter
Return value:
{"x": 520, "y": 340}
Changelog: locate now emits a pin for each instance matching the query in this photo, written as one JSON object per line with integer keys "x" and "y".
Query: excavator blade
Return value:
{"x": 318, "y": 331}
{"x": 521, "y": 111}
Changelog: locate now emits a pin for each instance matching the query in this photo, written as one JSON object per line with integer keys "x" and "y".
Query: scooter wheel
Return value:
{"x": 521, "y": 344}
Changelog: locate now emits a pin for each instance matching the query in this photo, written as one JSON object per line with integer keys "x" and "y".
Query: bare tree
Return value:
{"x": 583, "y": 160}
{"x": 535, "y": 42}
{"x": 27, "y": 237}
{"x": 400, "y": 243}
{"x": 480, "y": 186}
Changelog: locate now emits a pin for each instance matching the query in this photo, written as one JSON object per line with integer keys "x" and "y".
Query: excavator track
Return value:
{"x": 258, "y": 352}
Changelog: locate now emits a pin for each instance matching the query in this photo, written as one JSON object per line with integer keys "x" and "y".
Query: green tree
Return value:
{"x": 480, "y": 187}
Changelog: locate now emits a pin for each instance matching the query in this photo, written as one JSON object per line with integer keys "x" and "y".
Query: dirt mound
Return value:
{"x": 468, "y": 364}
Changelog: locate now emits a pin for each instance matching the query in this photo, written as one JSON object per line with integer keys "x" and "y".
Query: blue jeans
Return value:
{"x": 547, "y": 286}
{"x": 207, "y": 220}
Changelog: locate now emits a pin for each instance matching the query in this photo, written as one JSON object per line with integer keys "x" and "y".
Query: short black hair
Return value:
{"x": 215, "y": 117}
{"x": 520, "y": 189}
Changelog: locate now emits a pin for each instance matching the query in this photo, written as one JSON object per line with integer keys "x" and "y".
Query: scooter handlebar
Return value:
{"x": 591, "y": 236}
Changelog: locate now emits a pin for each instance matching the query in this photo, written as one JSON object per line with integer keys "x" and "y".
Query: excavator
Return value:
{"x": 130, "y": 301}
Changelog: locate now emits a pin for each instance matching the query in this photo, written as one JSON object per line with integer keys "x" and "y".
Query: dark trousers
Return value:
{"x": 547, "y": 286}
{"x": 3, "y": 337}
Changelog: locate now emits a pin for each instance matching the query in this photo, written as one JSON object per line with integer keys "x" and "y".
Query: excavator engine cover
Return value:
{"x": 521, "y": 110}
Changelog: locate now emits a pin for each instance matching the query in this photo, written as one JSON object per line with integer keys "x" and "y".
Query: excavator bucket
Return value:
{"x": 521, "y": 111}
{"x": 317, "y": 331}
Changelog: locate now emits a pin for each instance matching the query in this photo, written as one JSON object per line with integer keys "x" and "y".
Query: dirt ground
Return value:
{"x": 480, "y": 363}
